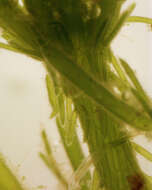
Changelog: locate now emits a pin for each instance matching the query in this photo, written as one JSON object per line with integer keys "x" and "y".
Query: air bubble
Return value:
{"x": 116, "y": 90}
{"x": 56, "y": 145}
{"x": 98, "y": 11}
{"x": 20, "y": 2}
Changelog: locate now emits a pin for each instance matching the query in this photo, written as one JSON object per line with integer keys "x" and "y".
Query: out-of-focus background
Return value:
{"x": 25, "y": 110}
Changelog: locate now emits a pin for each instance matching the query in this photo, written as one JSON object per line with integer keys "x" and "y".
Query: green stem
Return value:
{"x": 115, "y": 163}
{"x": 133, "y": 78}
{"x": 66, "y": 118}
{"x": 142, "y": 151}
{"x": 118, "y": 25}
{"x": 73, "y": 150}
{"x": 53, "y": 166}
{"x": 139, "y": 19}
{"x": 21, "y": 50}
{"x": 50, "y": 161}
{"x": 8, "y": 180}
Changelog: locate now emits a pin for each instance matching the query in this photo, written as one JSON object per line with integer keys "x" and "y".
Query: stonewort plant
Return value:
{"x": 72, "y": 38}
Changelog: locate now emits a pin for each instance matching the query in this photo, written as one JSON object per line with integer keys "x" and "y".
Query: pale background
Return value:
{"x": 24, "y": 107}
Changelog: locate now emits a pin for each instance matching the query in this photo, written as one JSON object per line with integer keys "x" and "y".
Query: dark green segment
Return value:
{"x": 97, "y": 92}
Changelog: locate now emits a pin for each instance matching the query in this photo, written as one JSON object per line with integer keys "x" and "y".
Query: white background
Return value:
{"x": 24, "y": 107}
